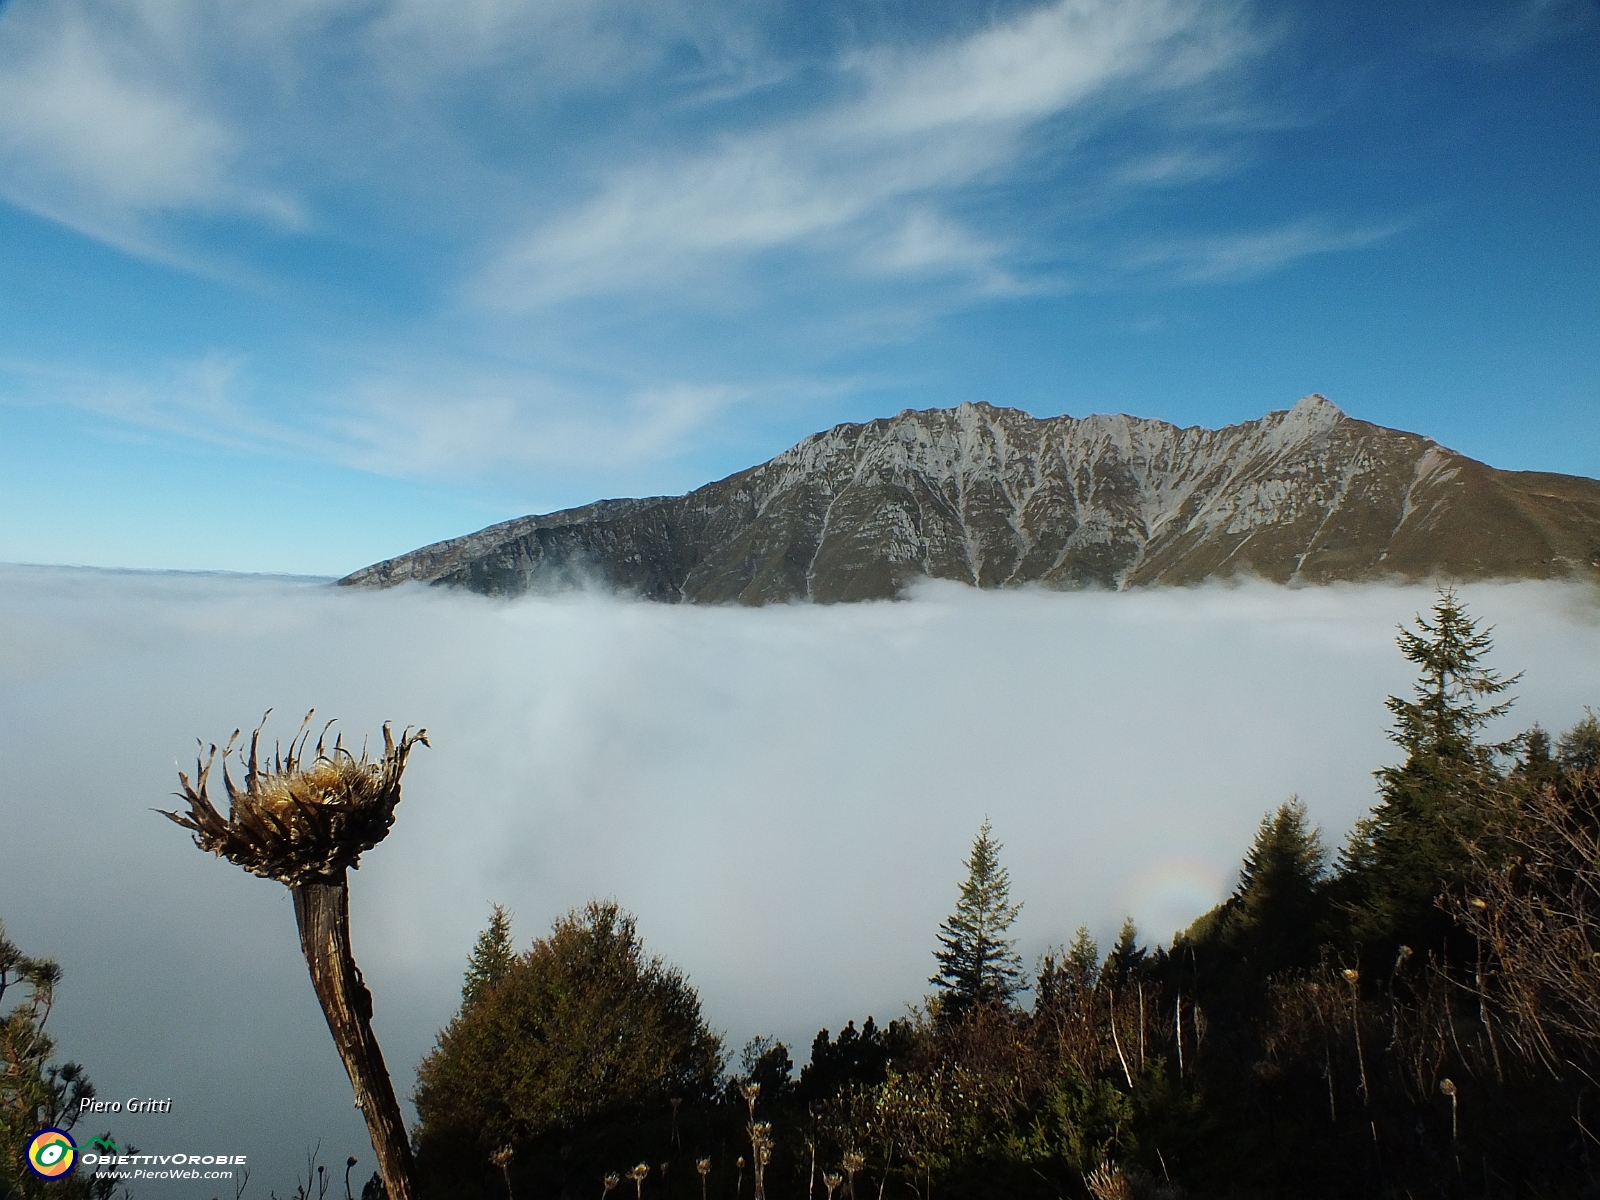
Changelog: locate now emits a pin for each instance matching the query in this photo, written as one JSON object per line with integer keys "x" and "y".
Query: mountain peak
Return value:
{"x": 994, "y": 497}
{"x": 1311, "y": 415}
{"x": 1316, "y": 402}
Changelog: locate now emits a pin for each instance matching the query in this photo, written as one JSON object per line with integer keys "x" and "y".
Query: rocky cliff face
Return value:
{"x": 996, "y": 498}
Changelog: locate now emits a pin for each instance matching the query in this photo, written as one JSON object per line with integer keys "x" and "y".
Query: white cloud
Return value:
{"x": 1172, "y": 168}
{"x": 99, "y": 131}
{"x": 558, "y": 46}
{"x": 206, "y": 399}
{"x": 1500, "y": 29}
{"x": 126, "y": 121}
{"x": 866, "y": 172}
{"x": 1258, "y": 252}
{"x": 486, "y": 424}
{"x": 458, "y": 424}
{"x": 784, "y": 795}
{"x": 115, "y": 119}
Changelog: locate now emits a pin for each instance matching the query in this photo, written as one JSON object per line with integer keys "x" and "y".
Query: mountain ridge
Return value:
{"x": 995, "y": 497}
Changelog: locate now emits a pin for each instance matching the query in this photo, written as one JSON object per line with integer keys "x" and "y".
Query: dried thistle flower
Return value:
{"x": 831, "y": 1180}
{"x": 296, "y": 820}
{"x": 853, "y": 1162}
{"x": 1448, "y": 1087}
{"x": 1107, "y": 1182}
{"x": 502, "y": 1159}
{"x": 304, "y": 819}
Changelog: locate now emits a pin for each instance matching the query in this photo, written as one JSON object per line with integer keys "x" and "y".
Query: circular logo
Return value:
{"x": 52, "y": 1154}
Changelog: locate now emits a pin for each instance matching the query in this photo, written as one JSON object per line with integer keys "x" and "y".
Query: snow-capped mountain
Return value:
{"x": 997, "y": 498}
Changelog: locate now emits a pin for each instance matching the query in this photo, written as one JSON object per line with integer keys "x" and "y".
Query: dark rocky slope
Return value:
{"x": 994, "y": 497}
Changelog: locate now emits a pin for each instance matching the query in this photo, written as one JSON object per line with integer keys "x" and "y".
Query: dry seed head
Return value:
{"x": 501, "y": 1156}
{"x": 296, "y": 820}
{"x": 853, "y": 1161}
{"x": 1448, "y": 1087}
{"x": 703, "y": 1165}
{"x": 1107, "y": 1182}
{"x": 639, "y": 1172}
{"x": 611, "y": 1181}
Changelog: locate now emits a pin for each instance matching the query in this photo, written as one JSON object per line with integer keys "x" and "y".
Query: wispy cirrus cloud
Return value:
{"x": 905, "y": 161}
{"x": 487, "y": 424}
{"x": 124, "y": 121}
{"x": 418, "y": 423}
{"x": 1500, "y": 29}
{"x": 207, "y": 398}
{"x": 1230, "y": 257}
{"x": 867, "y": 179}
{"x": 98, "y": 132}
{"x": 539, "y": 184}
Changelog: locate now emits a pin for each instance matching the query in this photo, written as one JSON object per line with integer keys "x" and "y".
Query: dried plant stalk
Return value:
{"x": 306, "y": 822}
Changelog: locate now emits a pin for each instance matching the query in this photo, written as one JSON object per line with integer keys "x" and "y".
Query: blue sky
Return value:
{"x": 294, "y": 287}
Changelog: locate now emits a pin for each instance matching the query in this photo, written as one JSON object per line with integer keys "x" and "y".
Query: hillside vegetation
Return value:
{"x": 1416, "y": 1014}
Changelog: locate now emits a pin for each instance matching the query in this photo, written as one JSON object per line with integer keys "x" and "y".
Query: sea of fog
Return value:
{"x": 783, "y": 796}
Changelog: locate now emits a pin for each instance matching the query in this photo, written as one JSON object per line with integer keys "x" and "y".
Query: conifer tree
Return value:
{"x": 977, "y": 963}
{"x": 584, "y": 1036}
{"x": 1537, "y": 764}
{"x": 1083, "y": 956}
{"x": 491, "y": 958}
{"x": 1413, "y": 845}
{"x": 33, "y": 1094}
{"x": 1579, "y": 747}
{"x": 1126, "y": 957}
{"x": 1442, "y": 721}
{"x": 1276, "y": 920}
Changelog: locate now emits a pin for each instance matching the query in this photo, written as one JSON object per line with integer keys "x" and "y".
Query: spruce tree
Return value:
{"x": 1083, "y": 956}
{"x": 491, "y": 958}
{"x": 1579, "y": 747}
{"x": 1414, "y": 844}
{"x": 1442, "y": 721}
{"x": 1277, "y": 919}
{"x": 977, "y": 963}
{"x": 1126, "y": 957}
